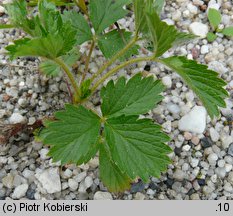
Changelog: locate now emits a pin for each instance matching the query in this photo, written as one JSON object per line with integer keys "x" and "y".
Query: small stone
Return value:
{"x": 137, "y": 187}
{"x": 20, "y": 191}
{"x": 73, "y": 185}
{"x": 50, "y": 180}
{"x": 194, "y": 121}
{"x": 214, "y": 135}
{"x": 67, "y": 174}
{"x": 16, "y": 118}
{"x": 81, "y": 176}
{"x": 206, "y": 142}
{"x": 230, "y": 178}
{"x": 221, "y": 172}
{"x": 173, "y": 108}
{"x": 179, "y": 175}
{"x": 194, "y": 162}
{"x": 187, "y": 135}
{"x": 199, "y": 29}
{"x": 167, "y": 81}
{"x": 88, "y": 181}
{"x": 212, "y": 158}
{"x": 99, "y": 195}
{"x": 192, "y": 8}
{"x": 2, "y": 10}
{"x": 230, "y": 150}
{"x": 139, "y": 196}
{"x": 227, "y": 187}
{"x": 221, "y": 163}
{"x": 204, "y": 49}
{"x": 226, "y": 142}
{"x": 2, "y": 113}
{"x": 8, "y": 180}
{"x": 195, "y": 140}
{"x": 43, "y": 154}
{"x": 186, "y": 148}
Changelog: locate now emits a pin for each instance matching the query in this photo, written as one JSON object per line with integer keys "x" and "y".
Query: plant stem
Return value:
{"x": 70, "y": 76}
{"x": 114, "y": 58}
{"x": 117, "y": 68}
{"x": 88, "y": 61}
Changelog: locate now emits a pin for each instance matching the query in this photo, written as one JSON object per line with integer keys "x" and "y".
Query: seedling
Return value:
{"x": 129, "y": 147}
{"x": 215, "y": 19}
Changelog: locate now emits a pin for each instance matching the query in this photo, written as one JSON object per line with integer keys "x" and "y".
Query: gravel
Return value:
{"x": 202, "y": 161}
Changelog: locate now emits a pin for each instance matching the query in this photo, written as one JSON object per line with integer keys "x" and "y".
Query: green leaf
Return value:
{"x": 110, "y": 174}
{"x": 103, "y": 13}
{"x": 112, "y": 42}
{"x": 74, "y": 137}
{"x": 211, "y": 36}
{"x": 214, "y": 17}
{"x": 51, "y": 68}
{"x": 158, "y": 4}
{"x": 205, "y": 83}
{"x": 56, "y": 2}
{"x": 228, "y": 31}
{"x": 182, "y": 37}
{"x": 85, "y": 89}
{"x": 162, "y": 34}
{"x": 137, "y": 146}
{"x": 17, "y": 12}
{"x": 80, "y": 24}
{"x": 137, "y": 96}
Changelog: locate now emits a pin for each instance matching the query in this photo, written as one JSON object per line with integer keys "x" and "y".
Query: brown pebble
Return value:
{"x": 187, "y": 136}
{"x": 195, "y": 140}
{"x": 6, "y": 97}
{"x": 195, "y": 53}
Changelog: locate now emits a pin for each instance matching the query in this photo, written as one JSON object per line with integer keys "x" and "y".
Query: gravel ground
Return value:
{"x": 203, "y": 149}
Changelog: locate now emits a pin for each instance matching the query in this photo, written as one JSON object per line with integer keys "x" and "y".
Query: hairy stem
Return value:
{"x": 88, "y": 61}
{"x": 117, "y": 68}
{"x": 114, "y": 58}
{"x": 70, "y": 76}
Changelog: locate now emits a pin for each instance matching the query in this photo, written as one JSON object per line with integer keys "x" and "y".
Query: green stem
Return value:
{"x": 70, "y": 76}
{"x": 114, "y": 58}
{"x": 88, "y": 61}
{"x": 117, "y": 68}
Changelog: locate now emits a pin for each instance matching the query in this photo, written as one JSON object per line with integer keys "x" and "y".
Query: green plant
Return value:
{"x": 215, "y": 19}
{"x": 129, "y": 147}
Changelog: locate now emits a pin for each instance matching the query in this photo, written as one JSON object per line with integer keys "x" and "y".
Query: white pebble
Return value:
{"x": 199, "y": 29}
{"x": 16, "y": 118}
{"x": 99, "y": 195}
{"x": 73, "y": 185}
{"x": 204, "y": 49}
{"x": 167, "y": 81}
{"x": 194, "y": 121}
{"x": 214, "y": 135}
{"x": 20, "y": 191}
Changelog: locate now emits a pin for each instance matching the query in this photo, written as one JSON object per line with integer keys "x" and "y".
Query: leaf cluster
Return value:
{"x": 129, "y": 147}
{"x": 215, "y": 19}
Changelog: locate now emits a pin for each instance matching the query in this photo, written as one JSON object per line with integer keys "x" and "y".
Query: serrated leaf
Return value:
{"x": 53, "y": 37}
{"x": 137, "y": 96}
{"x": 228, "y": 31}
{"x": 51, "y": 68}
{"x": 211, "y": 36}
{"x": 162, "y": 34}
{"x": 74, "y": 137}
{"x": 17, "y": 12}
{"x": 214, "y": 17}
{"x": 110, "y": 174}
{"x": 103, "y": 13}
{"x": 140, "y": 7}
{"x": 137, "y": 146}
{"x": 112, "y": 42}
{"x": 205, "y": 83}
{"x": 182, "y": 37}
{"x": 80, "y": 24}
